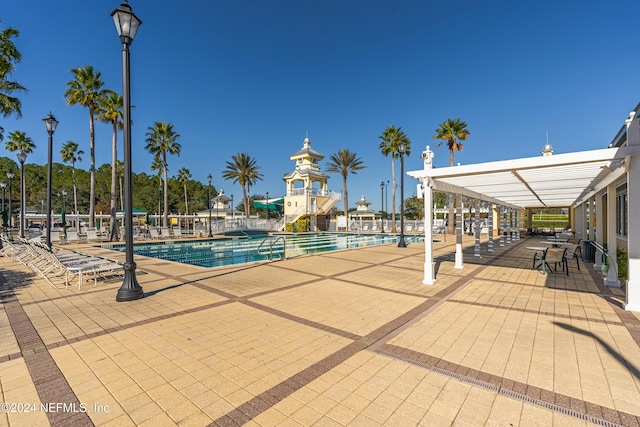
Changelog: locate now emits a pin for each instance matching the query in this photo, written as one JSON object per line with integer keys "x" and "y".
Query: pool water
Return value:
{"x": 229, "y": 251}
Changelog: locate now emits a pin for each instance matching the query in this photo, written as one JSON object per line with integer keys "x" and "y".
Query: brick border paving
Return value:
{"x": 50, "y": 383}
{"x": 52, "y": 386}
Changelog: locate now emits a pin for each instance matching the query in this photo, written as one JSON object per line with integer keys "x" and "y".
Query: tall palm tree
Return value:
{"x": 120, "y": 173}
{"x": 243, "y": 170}
{"x": 452, "y": 131}
{"x": 162, "y": 139}
{"x": 71, "y": 154}
{"x": 184, "y": 175}
{"x": 9, "y": 56}
{"x": 343, "y": 162}
{"x": 390, "y": 145}
{"x": 110, "y": 110}
{"x": 85, "y": 89}
{"x": 19, "y": 141}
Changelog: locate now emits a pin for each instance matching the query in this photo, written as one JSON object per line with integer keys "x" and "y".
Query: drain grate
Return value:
{"x": 506, "y": 392}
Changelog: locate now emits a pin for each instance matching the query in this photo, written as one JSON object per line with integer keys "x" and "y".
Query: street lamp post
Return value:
{"x": 267, "y": 206}
{"x": 22, "y": 157}
{"x": 3, "y": 185}
{"x": 50, "y": 123}
{"x": 402, "y": 149}
{"x": 233, "y": 215}
{"x": 209, "y": 179}
{"x": 64, "y": 200}
{"x": 10, "y": 175}
{"x": 127, "y": 26}
{"x": 381, "y": 212}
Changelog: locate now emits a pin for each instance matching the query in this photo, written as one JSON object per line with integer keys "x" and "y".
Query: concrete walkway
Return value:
{"x": 340, "y": 338}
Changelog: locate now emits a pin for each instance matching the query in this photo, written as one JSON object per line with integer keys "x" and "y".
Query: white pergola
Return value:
{"x": 561, "y": 180}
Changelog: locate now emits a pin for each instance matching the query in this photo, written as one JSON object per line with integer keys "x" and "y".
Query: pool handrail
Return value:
{"x": 272, "y": 241}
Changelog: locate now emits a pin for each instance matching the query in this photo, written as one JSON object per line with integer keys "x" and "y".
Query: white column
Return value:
{"x": 633, "y": 210}
{"x": 600, "y": 225}
{"x": 429, "y": 268}
{"x": 476, "y": 248}
{"x": 490, "y": 224}
{"x": 459, "y": 226}
{"x": 517, "y": 211}
{"x": 612, "y": 273}
{"x": 507, "y": 224}
{"x": 502, "y": 224}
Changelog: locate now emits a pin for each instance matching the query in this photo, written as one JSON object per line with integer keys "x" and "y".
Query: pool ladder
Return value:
{"x": 272, "y": 241}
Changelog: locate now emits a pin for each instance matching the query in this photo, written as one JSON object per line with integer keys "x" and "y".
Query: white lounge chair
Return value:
{"x": 153, "y": 232}
{"x": 165, "y": 233}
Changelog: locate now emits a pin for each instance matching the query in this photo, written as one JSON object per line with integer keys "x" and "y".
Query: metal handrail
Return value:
{"x": 605, "y": 252}
{"x": 272, "y": 241}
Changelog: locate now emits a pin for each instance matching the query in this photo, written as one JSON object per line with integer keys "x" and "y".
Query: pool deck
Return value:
{"x": 336, "y": 338}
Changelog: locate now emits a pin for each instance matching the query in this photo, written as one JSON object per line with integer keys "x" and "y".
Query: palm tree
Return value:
{"x": 390, "y": 144}
{"x": 162, "y": 139}
{"x": 71, "y": 154}
{"x": 19, "y": 141}
{"x": 184, "y": 175}
{"x": 343, "y": 162}
{"x": 110, "y": 110}
{"x": 120, "y": 173}
{"x": 9, "y": 56}
{"x": 243, "y": 170}
{"x": 452, "y": 131}
{"x": 86, "y": 89}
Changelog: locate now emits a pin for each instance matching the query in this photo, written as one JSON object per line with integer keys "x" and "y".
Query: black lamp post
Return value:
{"x": 3, "y": 185}
{"x": 50, "y": 123}
{"x": 381, "y": 212}
{"x": 267, "y": 206}
{"x": 209, "y": 179}
{"x": 10, "y": 175}
{"x": 127, "y": 26}
{"x": 64, "y": 200}
{"x": 22, "y": 157}
{"x": 402, "y": 148}
{"x": 233, "y": 215}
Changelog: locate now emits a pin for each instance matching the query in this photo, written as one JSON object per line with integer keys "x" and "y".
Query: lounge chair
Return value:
{"x": 166, "y": 233}
{"x": 177, "y": 232}
{"x": 73, "y": 237}
{"x": 153, "y": 232}
{"x": 92, "y": 235}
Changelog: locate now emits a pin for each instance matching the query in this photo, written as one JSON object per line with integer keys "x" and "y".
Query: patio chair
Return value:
{"x": 555, "y": 256}
{"x": 153, "y": 233}
{"x": 571, "y": 249}
{"x": 177, "y": 232}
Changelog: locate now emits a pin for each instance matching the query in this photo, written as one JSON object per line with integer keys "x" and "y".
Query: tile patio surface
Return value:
{"x": 339, "y": 338}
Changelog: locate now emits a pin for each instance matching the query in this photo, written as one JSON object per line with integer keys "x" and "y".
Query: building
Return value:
{"x": 308, "y": 195}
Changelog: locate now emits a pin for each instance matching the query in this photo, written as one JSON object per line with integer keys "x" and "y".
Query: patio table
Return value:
{"x": 538, "y": 249}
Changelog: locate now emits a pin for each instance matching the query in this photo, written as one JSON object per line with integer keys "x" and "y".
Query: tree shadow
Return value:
{"x": 634, "y": 371}
{"x": 8, "y": 289}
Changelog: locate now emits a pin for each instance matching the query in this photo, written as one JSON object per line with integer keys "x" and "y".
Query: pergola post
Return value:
{"x": 490, "y": 223}
{"x": 429, "y": 268}
{"x": 600, "y": 225}
{"x": 633, "y": 207}
{"x": 476, "y": 248}
{"x": 459, "y": 225}
{"x": 612, "y": 245}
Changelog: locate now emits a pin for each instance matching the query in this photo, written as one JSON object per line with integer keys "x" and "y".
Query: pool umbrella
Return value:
{"x": 5, "y": 219}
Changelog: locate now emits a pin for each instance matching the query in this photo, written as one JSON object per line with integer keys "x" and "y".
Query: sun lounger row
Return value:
{"x": 58, "y": 265}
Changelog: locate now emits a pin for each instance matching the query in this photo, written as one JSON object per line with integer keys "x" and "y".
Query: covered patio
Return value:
{"x": 600, "y": 187}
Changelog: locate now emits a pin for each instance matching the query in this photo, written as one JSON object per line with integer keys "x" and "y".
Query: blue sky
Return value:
{"x": 254, "y": 76}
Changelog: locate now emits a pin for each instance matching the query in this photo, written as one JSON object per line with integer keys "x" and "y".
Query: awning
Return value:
{"x": 276, "y": 205}
{"x": 559, "y": 180}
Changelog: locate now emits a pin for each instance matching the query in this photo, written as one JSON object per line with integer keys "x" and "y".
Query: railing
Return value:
{"x": 272, "y": 241}
{"x": 605, "y": 253}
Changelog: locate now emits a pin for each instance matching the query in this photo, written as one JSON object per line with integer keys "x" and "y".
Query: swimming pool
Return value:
{"x": 230, "y": 251}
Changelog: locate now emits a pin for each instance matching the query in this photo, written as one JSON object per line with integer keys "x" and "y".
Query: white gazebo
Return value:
{"x": 607, "y": 180}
